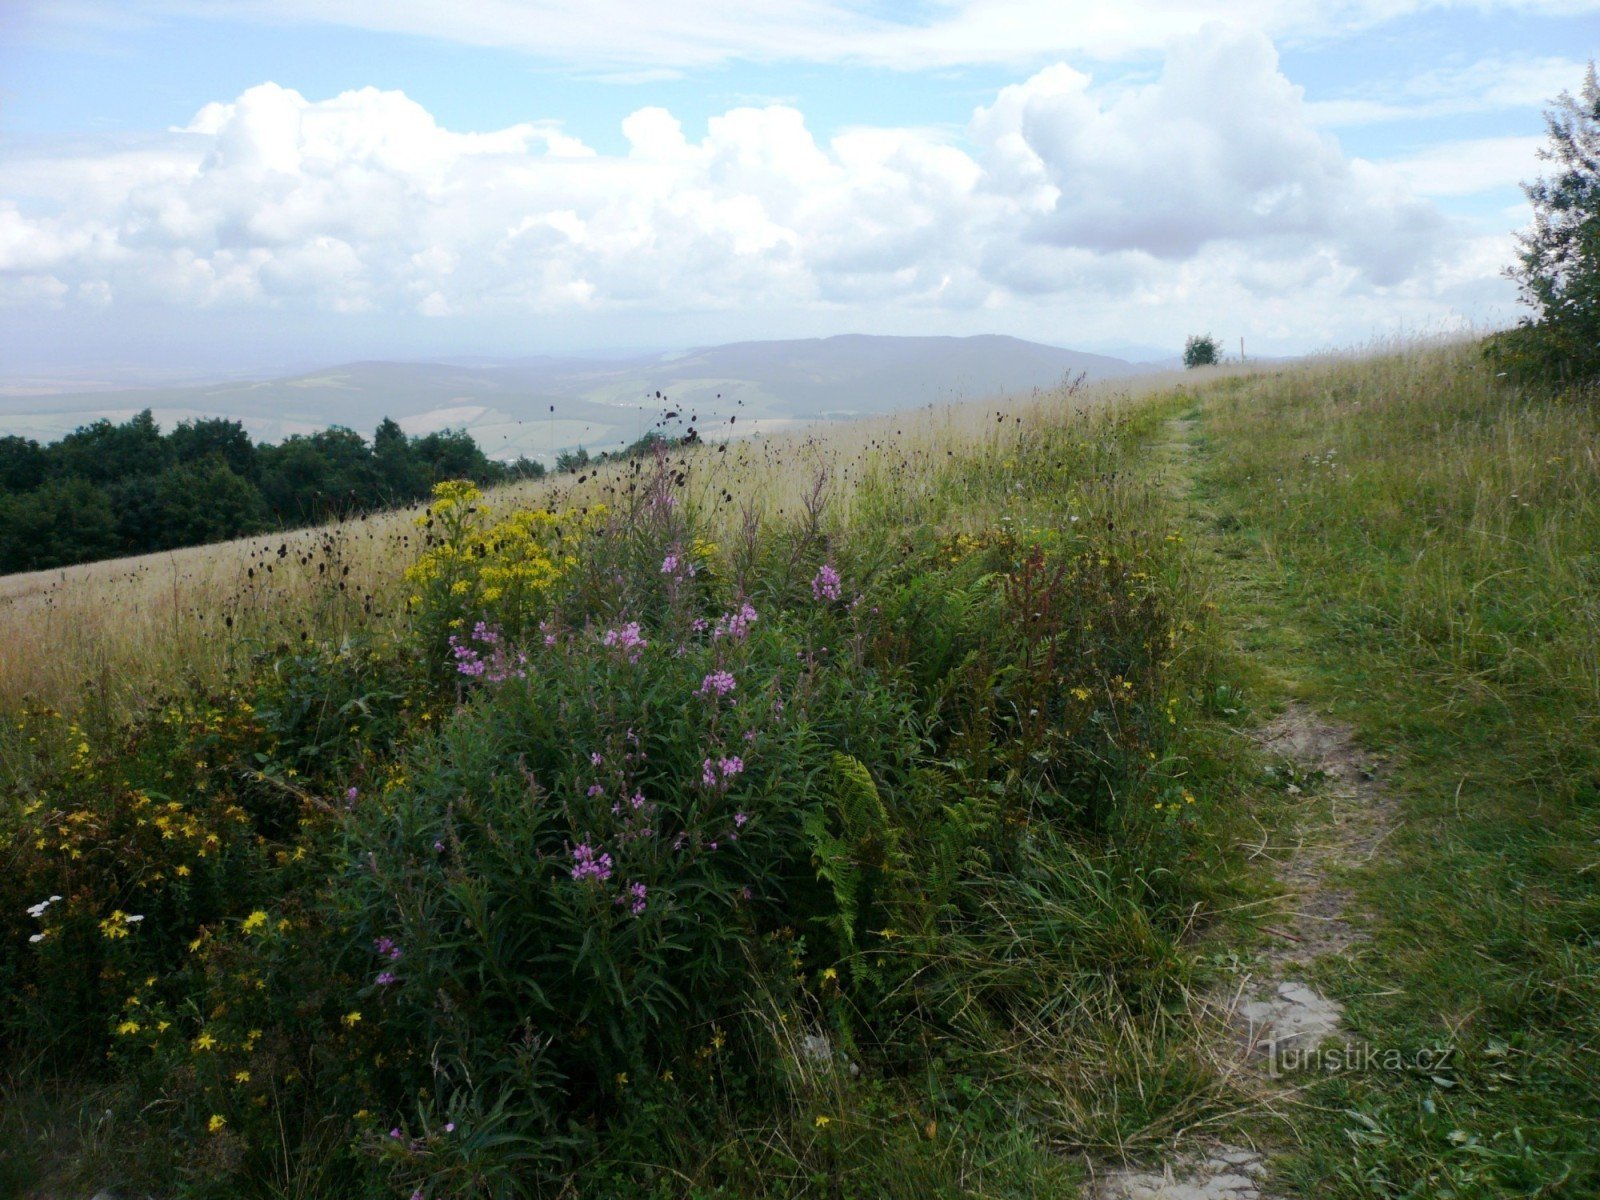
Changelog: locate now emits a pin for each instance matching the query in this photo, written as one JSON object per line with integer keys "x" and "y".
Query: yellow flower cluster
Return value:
{"x": 505, "y": 564}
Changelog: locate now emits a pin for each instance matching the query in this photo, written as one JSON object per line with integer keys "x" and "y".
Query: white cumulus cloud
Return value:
{"x": 363, "y": 202}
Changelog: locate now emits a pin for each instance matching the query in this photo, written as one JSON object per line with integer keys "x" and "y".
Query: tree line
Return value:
{"x": 110, "y": 489}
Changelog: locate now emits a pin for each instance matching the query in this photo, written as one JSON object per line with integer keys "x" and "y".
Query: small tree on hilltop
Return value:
{"x": 1558, "y": 263}
{"x": 1202, "y": 351}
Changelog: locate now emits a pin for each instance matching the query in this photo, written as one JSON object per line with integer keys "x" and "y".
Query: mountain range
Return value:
{"x": 540, "y": 406}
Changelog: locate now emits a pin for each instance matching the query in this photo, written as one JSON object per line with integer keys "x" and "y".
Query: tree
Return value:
{"x": 102, "y": 452}
{"x": 194, "y": 441}
{"x": 1202, "y": 350}
{"x": 23, "y": 463}
{"x": 1558, "y": 263}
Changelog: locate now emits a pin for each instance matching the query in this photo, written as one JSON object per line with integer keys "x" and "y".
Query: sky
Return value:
{"x": 208, "y": 186}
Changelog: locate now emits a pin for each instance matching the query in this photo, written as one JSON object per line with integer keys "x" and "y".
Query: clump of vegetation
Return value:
{"x": 627, "y": 857}
{"x": 1558, "y": 268}
{"x": 111, "y": 489}
{"x": 1202, "y": 350}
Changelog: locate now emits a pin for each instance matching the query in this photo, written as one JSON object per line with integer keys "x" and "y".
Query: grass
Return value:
{"x": 1401, "y": 538}
{"x": 1411, "y": 542}
{"x": 100, "y": 641}
{"x": 992, "y": 764}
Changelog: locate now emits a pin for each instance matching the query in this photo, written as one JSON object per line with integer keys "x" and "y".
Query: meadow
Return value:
{"x": 784, "y": 817}
{"x": 870, "y": 811}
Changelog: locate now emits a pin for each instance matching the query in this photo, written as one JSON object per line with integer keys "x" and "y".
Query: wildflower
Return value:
{"x": 254, "y": 921}
{"x": 449, "y": 1126}
{"x": 204, "y": 1042}
{"x": 351, "y": 794}
{"x": 216, "y": 1123}
{"x": 736, "y": 625}
{"x": 36, "y": 938}
{"x": 385, "y": 978}
{"x": 823, "y": 1122}
{"x": 116, "y": 925}
{"x": 127, "y": 1028}
{"x": 739, "y": 819}
{"x": 241, "y": 1076}
{"x": 629, "y": 638}
{"x": 718, "y": 683}
{"x": 731, "y": 766}
{"x": 826, "y": 584}
{"x": 38, "y": 910}
{"x": 634, "y": 896}
{"x": 387, "y": 947}
{"x": 589, "y": 864}
{"x": 351, "y": 1019}
{"x": 669, "y": 565}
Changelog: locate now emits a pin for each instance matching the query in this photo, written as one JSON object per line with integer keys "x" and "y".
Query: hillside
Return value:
{"x": 597, "y": 403}
{"x": 1047, "y": 797}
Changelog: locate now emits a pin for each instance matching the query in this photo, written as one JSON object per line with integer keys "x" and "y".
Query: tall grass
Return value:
{"x": 101, "y": 640}
{"x": 822, "y": 823}
{"x": 1433, "y": 534}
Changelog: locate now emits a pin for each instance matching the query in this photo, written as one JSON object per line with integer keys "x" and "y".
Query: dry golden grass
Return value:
{"x": 101, "y": 639}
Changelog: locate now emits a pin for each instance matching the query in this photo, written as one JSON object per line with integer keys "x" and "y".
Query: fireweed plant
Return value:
{"x": 636, "y": 859}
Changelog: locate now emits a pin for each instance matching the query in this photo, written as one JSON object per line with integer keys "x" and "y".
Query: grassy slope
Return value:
{"x": 1415, "y": 547}
{"x": 1087, "y": 948}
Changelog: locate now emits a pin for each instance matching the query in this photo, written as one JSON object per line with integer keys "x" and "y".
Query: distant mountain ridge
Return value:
{"x": 538, "y": 406}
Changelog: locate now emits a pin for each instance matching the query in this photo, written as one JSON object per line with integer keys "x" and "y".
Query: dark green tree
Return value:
{"x": 215, "y": 437}
{"x": 452, "y": 454}
{"x": 1558, "y": 261}
{"x": 402, "y": 474}
{"x": 64, "y": 521}
{"x": 102, "y": 452}
{"x": 207, "y": 502}
{"x": 23, "y": 464}
{"x": 1202, "y": 350}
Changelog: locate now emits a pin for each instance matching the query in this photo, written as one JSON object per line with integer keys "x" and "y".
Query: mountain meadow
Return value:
{"x": 930, "y": 804}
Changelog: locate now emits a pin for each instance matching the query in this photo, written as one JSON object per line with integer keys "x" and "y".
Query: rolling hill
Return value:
{"x": 539, "y": 406}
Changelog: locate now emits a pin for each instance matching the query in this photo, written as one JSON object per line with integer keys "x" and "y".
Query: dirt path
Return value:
{"x": 1274, "y": 1016}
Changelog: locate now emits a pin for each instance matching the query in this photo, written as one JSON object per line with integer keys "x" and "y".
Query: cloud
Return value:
{"x": 1470, "y": 166}
{"x": 1218, "y": 150}
{"x": 629, "y": 35}
{"x": 364, "y": 203}
{"x": 1488, "y": 85}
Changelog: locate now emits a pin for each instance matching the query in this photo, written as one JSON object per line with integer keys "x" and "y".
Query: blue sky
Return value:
{"x": 221, "y": 184}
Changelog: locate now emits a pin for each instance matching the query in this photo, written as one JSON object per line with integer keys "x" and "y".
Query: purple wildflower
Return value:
{"x": 634, "y": 896}
{"x": 628, "y": 639}
{"x": 385, "y": 978}
{"x": 826, "y": 584}
{"x": 589, "y": 864}
{"x": 718, "y": 683}
{"x": 387, "y": 947}
{"x": 669, "y": 565}
{"x": 736, "y": 625}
